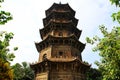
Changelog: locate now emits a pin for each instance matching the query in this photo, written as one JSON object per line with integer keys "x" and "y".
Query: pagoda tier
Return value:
{"x": 51, "y": 40}
{"x": 60, "y": 8}
{"x": 53, "y": 26}
{"x": 60, "y": 17}
{"x": 69, "y": 69}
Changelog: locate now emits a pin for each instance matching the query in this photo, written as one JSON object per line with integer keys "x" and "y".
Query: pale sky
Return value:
{"x": 27, "y": 20}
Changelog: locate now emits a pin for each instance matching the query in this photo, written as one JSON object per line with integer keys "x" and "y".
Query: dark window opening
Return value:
{"x": 44, "y": 57}
{"x": 60, "y": 34}
{"x": 60, "y": 53}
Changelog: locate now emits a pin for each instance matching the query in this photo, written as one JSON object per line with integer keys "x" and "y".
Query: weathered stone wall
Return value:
{"x": 76, "y": 53}
{"x": 42, "y": 76}
{"x": 58, "y": 33}
{"x": 61, "y": 33}
{"x": 61, "y": 51}
{"x": 64, "y": 71}
{"x": 46, "y": 51}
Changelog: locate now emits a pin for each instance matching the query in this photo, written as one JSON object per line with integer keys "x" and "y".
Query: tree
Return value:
{"x": 6, "y": 73}
{"x": 23, "y": 72}
{"x": 5, "y": 56}
{"x": 28, "y": 73}
{"x": 109, "y": 49}
{"x": 94, "y": 74}
{"x": 17, "y": 71}
{"x": 116, "y": 2}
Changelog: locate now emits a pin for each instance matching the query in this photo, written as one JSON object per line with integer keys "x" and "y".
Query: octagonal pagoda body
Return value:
{"x": 60, "y": 48}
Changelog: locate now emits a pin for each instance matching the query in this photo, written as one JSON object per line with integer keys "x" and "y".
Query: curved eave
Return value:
{"x": 55, "y": 15}
{"x": 72, "y": 60}
{"x": 76, "y": 30}
{"x": 62, "y": 21}
{"x": 67, "y": 23}
{"x": 54, "y": 61}
{"x": 67, "y": 26}
{"x": 41, "y": 32}
{"x": 37, "y": 46}
{"x": 71, "y": 9}
{"x": 41, "y": 45}
{"x": 55, "y": 5}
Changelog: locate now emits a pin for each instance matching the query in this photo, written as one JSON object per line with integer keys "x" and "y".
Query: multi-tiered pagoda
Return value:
{"x": 60, "y": 49}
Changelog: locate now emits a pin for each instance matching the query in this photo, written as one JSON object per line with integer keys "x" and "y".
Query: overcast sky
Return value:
{"x": 27, "y": 20}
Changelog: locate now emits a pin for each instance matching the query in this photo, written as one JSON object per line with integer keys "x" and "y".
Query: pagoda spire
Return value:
{"x": 60, "y": 2}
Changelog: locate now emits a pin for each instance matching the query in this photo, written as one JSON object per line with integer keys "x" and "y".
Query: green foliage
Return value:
{"x": 15, "y": 48}
{"x": 1, "y": 1}
{"x": 116, "y": 2}
{"x": 94, "y": 74}
{"x": 6, "y": 73}
{"x": 116, "y": 16}
{"x": 4, "y": 49}
{"x": 109, "y": 50}
{"x": 23, "y": 72}
{"x": 17, "y": 71}
{"x": 4, "y": 16}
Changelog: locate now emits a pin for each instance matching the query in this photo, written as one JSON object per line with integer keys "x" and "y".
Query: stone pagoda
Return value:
{"x": 60, "y": 49}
